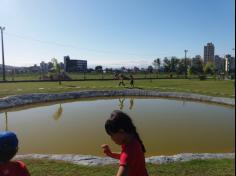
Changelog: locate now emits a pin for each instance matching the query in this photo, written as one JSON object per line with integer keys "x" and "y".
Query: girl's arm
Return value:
{"x": 107, "y": 151}
{"x": 122, "y": 171}
{"x": 114, "y": 155}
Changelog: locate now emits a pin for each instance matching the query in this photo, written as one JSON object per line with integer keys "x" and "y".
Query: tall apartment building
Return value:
{"x": 74, "y": 65}
{"x": 209, "y": 53}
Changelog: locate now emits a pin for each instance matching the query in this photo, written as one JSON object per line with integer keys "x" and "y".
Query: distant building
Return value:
{"x": 50, "y": 66}
{"x": 219, "y": 63}
{"x": 229, "y": 63}
{"x": 34, "y": 69}
{"x": 44, "y": 67}
{"x": 209, "y": 53}
{"x": 196, "y": 60}
{"x": 74, "y": 65}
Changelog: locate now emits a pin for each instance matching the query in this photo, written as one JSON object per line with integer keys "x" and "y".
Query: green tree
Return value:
{"x": 57, "y": 69}
{"x": 196, "y": 69}
{"x": 174, "y": 63}
{"x": 170, "y": 65}
{"x": 157, "y": 64}
{"x": 150, "y": 69}
{"x": 98, "y": 68}
{"x": 181, "y": 68}
{"x": 167, "y": 65}
{"x": 209, "y": 68}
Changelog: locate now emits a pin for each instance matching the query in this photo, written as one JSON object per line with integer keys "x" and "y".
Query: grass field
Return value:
{"x": 36, "y": 76}
{"x": 222, "y": 167}
{"x": 211, "y": 87}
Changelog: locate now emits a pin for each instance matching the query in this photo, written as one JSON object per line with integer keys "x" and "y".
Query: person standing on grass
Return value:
{"x": 132, "y": 81}
{"x": 121, "y": 78}
{"x": 123, "y": 132}
{"x": 8, "y": 149}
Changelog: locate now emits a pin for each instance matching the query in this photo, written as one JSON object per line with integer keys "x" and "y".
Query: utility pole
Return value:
{"x": 185, "y": 62}
{"x": 3, "y": 63}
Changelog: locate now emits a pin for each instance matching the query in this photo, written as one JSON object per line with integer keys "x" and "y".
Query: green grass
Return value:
{"x": 222, "y": 167}
{"x": 36, "y": 76}
{"x": 217, "y": 88}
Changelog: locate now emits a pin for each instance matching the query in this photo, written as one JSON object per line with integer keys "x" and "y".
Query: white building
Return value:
{"x": 229, "y": 63}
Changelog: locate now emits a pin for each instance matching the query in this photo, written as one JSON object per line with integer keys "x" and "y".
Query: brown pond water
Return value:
{"x": 166, "y": 126}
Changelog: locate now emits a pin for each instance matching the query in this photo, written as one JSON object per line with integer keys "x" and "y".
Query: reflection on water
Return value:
{"x": 183, "y": 103}
{"x": 6, "y": 121}
{"x": 131, "y": 103}
{"x": 58, "y": 113}
{"x": 166, "y": 126}
{"x": 121, "y": 103}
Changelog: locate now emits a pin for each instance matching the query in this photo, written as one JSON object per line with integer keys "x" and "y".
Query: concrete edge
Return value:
{"x": 89, "y": 160}
{"x": 27, "y": 99}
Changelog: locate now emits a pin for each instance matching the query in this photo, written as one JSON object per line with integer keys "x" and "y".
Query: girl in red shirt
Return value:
{"x": 123, "y": 132}
{"x": 8, "y": 149}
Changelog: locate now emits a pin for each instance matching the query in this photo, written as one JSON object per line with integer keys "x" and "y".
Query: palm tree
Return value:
{"x": 157, "y": 64}
{"x": 57, "y": 69}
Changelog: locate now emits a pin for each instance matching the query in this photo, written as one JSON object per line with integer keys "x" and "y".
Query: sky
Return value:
{"x": 114, "y": 33}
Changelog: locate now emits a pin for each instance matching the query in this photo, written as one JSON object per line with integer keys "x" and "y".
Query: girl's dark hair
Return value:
{"x": 7, "y": 155}
{"x": 119, "y": 120}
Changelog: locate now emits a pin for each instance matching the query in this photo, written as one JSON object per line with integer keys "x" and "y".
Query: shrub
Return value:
{"x": 202, "y": 77}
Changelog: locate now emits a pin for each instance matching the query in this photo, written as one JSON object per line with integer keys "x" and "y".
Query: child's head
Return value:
{"x": 8, "y": 146}
{"x": 119, "y": 126}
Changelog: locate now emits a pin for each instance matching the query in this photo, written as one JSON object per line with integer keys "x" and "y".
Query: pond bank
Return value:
{"x": 96, "y": 161}
{"x": 27, "y": 99}
{"x": 20, "y": 100}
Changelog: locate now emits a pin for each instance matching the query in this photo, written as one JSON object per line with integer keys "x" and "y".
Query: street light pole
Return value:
{"x": 185, "y": 62}
{"x": 3, "y": 63}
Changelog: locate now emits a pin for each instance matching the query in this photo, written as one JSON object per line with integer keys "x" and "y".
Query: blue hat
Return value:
{"x": 8, "y": 140}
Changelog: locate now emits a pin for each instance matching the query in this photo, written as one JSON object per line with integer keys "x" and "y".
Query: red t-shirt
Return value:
{"x": 14, "y": 168}
{"x": 133, "y": 157}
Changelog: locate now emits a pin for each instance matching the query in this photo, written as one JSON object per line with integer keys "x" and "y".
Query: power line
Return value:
{"x": 87, "y": 49}
{"x": 75, "y": 47}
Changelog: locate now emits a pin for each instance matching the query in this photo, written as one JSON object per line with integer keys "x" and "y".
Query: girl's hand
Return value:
{"x": 106, "y": 149}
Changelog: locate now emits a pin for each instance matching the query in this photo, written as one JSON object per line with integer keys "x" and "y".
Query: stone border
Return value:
{"x": 89, "y": 160}
{"x": 20, "y": 100}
